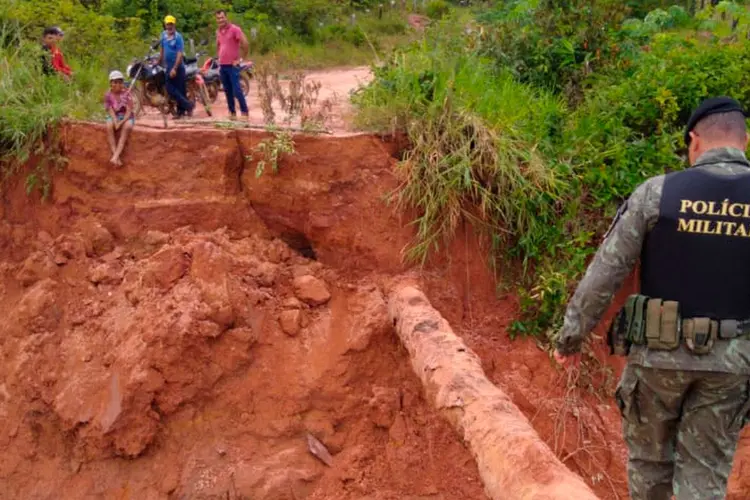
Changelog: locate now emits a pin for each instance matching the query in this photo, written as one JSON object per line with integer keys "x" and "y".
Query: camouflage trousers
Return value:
{"x": 681, "y": 429}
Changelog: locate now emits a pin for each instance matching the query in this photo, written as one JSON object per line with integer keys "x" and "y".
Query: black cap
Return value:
{"x": 711, "y": 106}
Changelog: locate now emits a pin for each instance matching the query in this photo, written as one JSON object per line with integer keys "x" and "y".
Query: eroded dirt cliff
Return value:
{"x": 178, "y": 327}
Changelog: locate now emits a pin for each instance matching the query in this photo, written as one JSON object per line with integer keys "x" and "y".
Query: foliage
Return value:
{"x": 271, "y": 150}
{"x": 619, "y": 146}
{"x": 31, "y": 105}
{"x": 193, "y": 16}
{"x": 108, "y": 33}
{"x": 479, "y": 149}
{"x": 658, "y": 20}
{"x": 437, "y": 9}
{"x": 533, "y": 85}
{"x": 91, "y": 38}
{"x": 552, "y": 44}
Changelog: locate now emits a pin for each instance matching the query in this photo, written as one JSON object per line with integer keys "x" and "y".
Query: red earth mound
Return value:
{"x": 179, "y": 327}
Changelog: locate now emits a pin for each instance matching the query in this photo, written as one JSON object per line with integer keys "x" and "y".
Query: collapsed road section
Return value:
{"x": 183, "y": 327}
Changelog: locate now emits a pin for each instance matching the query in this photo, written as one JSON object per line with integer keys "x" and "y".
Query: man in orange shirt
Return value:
{"x": 54, "y": 60}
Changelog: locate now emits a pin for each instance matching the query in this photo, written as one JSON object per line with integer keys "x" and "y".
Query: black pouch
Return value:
{"x": 616, "y": 338}
{"x": 628, "y": 326}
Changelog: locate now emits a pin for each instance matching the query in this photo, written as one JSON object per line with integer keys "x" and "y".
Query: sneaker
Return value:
{"x": 232, "y": 117}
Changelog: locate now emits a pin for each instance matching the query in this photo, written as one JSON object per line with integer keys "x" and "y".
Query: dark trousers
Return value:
{"x": 230, "y": 80}
{"x": 177, "y": 88}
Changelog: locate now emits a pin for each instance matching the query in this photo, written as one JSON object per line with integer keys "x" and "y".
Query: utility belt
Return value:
{"x": 657, "y": 324}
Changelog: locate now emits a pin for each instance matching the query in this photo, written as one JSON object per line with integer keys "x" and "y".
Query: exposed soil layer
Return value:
{"x": 177, "y": 327}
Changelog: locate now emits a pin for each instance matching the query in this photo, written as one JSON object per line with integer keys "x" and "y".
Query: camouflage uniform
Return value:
{"x": 682, "y": 413}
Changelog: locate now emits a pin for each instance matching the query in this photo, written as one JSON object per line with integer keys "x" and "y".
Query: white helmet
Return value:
{"x": 116, "y": 75}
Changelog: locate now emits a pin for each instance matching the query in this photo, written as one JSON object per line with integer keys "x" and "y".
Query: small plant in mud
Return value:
{"x": 40, "y": 178}
{"x": 300, "y": 100}
{"x": 45, "y": 154}
{"x": 270, "y": 150}
{"x": 265, "y": 76}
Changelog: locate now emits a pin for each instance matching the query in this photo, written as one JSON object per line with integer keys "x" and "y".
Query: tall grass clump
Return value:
{"x": 481, "y": 145}
{"x": 32, "y": 105}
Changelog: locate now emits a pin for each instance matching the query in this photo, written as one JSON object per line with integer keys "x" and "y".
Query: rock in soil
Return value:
{"x": 311, "y": 290}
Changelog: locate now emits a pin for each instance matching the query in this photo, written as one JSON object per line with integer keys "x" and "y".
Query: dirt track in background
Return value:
{"x": 336, "y": 84}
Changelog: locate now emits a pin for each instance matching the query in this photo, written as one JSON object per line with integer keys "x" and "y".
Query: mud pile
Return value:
{"x": 195, "y": 364}
{"x": 182, "y": 328}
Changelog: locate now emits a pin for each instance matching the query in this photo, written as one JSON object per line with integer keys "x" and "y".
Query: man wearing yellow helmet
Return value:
{"x": 171, "y": 55}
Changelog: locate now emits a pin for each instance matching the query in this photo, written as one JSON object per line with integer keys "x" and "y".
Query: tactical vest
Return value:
{"x": 698, "y": 253}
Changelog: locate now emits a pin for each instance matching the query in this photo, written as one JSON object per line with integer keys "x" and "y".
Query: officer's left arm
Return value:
{"x": 611, "y": 265}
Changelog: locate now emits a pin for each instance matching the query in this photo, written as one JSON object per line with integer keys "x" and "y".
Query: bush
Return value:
{"x": 90, "y": 38}
{"x": 31, "y": 105}
{"x": 480, "y": 145}
{"x": 552, "y": 44}
{"x": 640, "y": 135}
{"x": 437, "y": 9}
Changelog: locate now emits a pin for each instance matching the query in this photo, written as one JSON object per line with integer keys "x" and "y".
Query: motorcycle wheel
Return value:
{"x": 245, "y": 83}
{"x": 213, "y": 91}
{"x": 136, "y": 97}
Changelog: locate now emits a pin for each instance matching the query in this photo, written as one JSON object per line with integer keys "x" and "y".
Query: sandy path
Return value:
{"x": 337, "y": 84}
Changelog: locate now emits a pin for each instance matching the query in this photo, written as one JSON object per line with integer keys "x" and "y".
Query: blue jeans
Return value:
{"x": 177, "y": 88}
{"x": 230, "y": 80}
{"x": 120, "y": 116}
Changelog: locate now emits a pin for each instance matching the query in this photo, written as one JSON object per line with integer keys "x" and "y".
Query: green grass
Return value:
{"x": 480, "y": 145}
{"x": 297, "y": 55}
{"x": 32, "y": 105}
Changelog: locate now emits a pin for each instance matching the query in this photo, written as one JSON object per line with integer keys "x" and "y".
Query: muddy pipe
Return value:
{"x": 514, "y": 463}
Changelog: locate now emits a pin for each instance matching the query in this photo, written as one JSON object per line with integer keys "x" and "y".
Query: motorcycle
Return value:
{"x": 211, "y": 67}
{"x": 209, "y": 83}
{"x": 148, "y": 86}
{"x": 212, "y": 78}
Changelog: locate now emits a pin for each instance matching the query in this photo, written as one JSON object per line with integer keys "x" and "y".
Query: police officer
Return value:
{"x": 684, "y": 394}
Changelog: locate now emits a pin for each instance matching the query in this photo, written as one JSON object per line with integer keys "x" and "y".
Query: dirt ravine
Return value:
{"x": 177, "y": 328}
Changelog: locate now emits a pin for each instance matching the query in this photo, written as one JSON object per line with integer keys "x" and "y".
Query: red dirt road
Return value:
{"x": 336, "y": 84}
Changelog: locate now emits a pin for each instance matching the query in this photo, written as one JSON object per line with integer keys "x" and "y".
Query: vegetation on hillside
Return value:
{"x": 536, "y": 120}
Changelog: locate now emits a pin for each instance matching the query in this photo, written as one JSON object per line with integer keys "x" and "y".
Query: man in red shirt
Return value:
{"x": 54, "y": 60}
{"x": 232, "y": 46}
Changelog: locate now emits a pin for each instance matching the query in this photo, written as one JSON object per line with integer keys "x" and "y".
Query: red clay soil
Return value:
{"x": 169, "y": 334}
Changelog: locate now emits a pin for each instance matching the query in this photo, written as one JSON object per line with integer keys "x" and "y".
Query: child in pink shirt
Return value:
{"x": 119, "y": 107}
